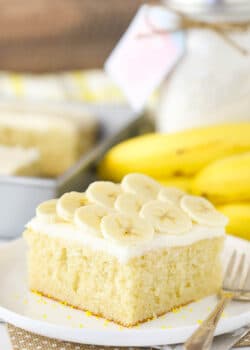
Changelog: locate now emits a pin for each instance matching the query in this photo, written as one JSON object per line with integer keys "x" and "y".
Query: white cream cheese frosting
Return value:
{"x": 14, "y": 158}
{"x": 129, "y": 219}
{"x": 123, "y": 253}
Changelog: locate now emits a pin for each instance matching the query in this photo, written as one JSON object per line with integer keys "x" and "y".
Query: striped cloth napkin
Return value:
{"x": 90, "y": 86}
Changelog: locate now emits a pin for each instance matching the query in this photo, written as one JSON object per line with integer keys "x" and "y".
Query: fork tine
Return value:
{"x": 247, "y": 280}
{"x": 239, "y": 276}
{"x": 231, "y": 263}
{"x": 229, "y": 270}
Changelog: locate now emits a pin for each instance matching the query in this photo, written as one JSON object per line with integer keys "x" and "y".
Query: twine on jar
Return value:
{"x": 186, "y": 22}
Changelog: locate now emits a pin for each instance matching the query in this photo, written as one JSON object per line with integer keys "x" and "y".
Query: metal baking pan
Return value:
{"x": 19, "y": 196}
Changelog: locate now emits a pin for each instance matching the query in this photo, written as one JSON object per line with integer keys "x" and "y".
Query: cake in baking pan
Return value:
{"x": 127, "y": 252}
{"x": 61, "y": 138}
{"x": 19, "y": 161}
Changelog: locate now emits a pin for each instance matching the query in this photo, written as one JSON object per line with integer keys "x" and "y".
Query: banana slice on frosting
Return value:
{"x": 171, "y": 194}
{"x": 46, "y": 211}
{"x": 126, "y": 229}
{"x": 103, "y": 193}
{"x": 68, "y": 203}
{"x": 128, "y": 204}
{"x": 141, "y": 185}
{"x": 88, "y": 218}
{"x": 202, "y": 211}
{"x": 166, "y": 217}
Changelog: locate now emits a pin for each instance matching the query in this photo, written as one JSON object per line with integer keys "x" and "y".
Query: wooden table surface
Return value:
{"x": 45, "y": 35}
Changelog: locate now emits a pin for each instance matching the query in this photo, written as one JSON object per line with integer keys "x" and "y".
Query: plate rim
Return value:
{"x": 103, "y": 337}
{"x": 114, "y": 337}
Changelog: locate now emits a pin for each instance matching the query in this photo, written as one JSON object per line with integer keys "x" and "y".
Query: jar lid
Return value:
{"x": 213, "y": 9}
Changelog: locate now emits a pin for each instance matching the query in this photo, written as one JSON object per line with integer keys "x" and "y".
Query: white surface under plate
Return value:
{"x": 45, "y": 317}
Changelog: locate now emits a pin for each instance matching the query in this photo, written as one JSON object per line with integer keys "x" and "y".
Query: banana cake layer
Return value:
{"x": 127, "y": 252}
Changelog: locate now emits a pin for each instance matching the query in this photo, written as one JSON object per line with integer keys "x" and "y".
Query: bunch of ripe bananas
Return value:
{"x": 211, "y": 161}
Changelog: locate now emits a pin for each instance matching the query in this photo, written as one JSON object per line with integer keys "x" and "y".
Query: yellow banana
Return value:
{"x": 178, "y": 154}
{"x": 182, "y": 182}
{"x": 239, "y": 218}
{"x": 225, "y": 180}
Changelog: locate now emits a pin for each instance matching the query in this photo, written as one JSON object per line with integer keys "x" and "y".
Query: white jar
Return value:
{"x": 211, "y": 83}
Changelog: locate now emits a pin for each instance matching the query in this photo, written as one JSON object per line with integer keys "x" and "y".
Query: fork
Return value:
{"x": 236, "y": 285}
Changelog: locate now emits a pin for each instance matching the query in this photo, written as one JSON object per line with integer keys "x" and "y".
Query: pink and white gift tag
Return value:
{"x": 145, "y": 54}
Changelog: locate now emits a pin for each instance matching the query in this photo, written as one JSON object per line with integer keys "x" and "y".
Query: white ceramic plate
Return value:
{"x": 45, "y": 317}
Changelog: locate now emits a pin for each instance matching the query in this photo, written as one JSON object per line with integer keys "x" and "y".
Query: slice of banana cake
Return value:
{"x": 127, "y": 252}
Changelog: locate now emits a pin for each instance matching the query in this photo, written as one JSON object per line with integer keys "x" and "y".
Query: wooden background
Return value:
{"x": 52, "y": 35}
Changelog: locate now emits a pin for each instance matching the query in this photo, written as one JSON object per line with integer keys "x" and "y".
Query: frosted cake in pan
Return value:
{"x": 127, "y": 252}
{"x": 61, "y": 138}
